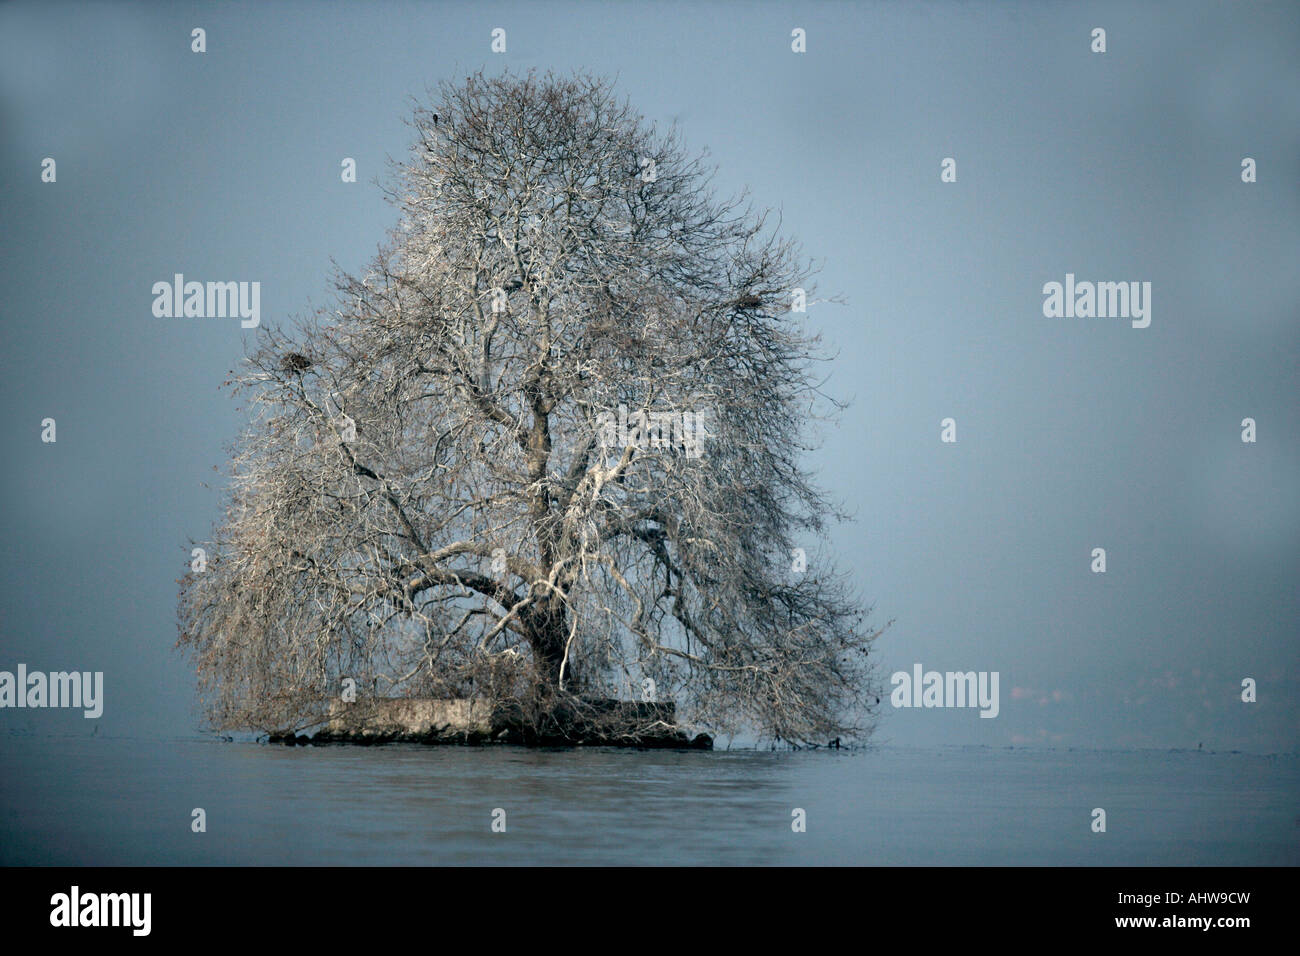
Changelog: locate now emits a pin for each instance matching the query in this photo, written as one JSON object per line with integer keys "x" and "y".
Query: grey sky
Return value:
{"x": 1072, "y": 433}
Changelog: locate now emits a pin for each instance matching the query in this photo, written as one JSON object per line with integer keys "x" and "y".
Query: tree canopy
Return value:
{"x": 548, "y": 445}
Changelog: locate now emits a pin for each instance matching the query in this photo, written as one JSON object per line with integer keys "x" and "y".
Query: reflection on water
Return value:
{"x": 73, "y": 800}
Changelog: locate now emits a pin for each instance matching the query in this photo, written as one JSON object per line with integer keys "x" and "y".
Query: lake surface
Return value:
{"x": 78, "y": 800}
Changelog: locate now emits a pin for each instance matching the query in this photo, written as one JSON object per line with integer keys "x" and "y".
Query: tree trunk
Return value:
{"x": 549, "y": 634}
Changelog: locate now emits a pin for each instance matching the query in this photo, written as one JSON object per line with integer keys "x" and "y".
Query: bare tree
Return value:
{"x": 547, "y": 448}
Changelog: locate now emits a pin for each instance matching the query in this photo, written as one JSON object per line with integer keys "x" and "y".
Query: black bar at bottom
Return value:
{"x": 588, "y": 906}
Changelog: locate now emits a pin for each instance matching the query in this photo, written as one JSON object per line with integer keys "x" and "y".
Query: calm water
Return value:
{"x": 124, "y": 801}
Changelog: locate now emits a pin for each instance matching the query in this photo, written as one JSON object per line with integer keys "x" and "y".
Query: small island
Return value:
{"x": 473, "y": 722}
